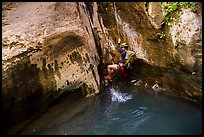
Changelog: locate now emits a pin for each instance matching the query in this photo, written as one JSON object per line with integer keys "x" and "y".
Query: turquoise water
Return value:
{"x": 123, "y": 109}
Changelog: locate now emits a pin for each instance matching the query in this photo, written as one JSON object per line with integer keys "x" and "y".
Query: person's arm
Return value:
{"x": 119, "y": 48}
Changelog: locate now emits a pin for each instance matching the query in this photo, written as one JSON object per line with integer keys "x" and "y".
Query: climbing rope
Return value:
{"x": 116, "y": 17}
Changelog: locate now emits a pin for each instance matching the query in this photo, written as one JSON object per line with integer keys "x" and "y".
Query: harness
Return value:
{"x": 130, "y": 57}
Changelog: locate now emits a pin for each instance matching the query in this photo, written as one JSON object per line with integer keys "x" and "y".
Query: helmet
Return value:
{"x": 123, "y": 45}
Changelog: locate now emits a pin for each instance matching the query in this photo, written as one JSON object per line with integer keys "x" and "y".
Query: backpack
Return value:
{"x": 130, "y": 58}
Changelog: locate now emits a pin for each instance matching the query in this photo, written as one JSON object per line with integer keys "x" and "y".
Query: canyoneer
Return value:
{"x": 127, "y": 57}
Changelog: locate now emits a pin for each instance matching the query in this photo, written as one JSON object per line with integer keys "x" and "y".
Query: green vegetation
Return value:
{"x": 161, "y": 34}
{"x": 172, "y": 7}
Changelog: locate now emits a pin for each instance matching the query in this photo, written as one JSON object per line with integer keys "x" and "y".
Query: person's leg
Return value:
{"x": 110, "y": 69}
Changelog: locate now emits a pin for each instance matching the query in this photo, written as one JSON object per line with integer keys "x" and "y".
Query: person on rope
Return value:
{"x": 124, "y": 64}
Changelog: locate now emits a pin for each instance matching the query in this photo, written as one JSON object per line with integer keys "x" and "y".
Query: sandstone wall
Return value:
{"x": 48, "y": 48}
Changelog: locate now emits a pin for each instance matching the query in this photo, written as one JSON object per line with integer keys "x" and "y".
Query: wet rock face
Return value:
{"x": 57, "y": 44}
{"x": 136, "y": 29}
{"x": 48, "y": 49}
{"x": 22, "y": 90}
{"x": 186, "y": 35}
{"x": 154, "y": 13}
{"x": 185, "y": 38}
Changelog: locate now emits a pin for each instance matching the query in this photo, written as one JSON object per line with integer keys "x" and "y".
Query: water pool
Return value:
{"x": 123, "y": 109}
